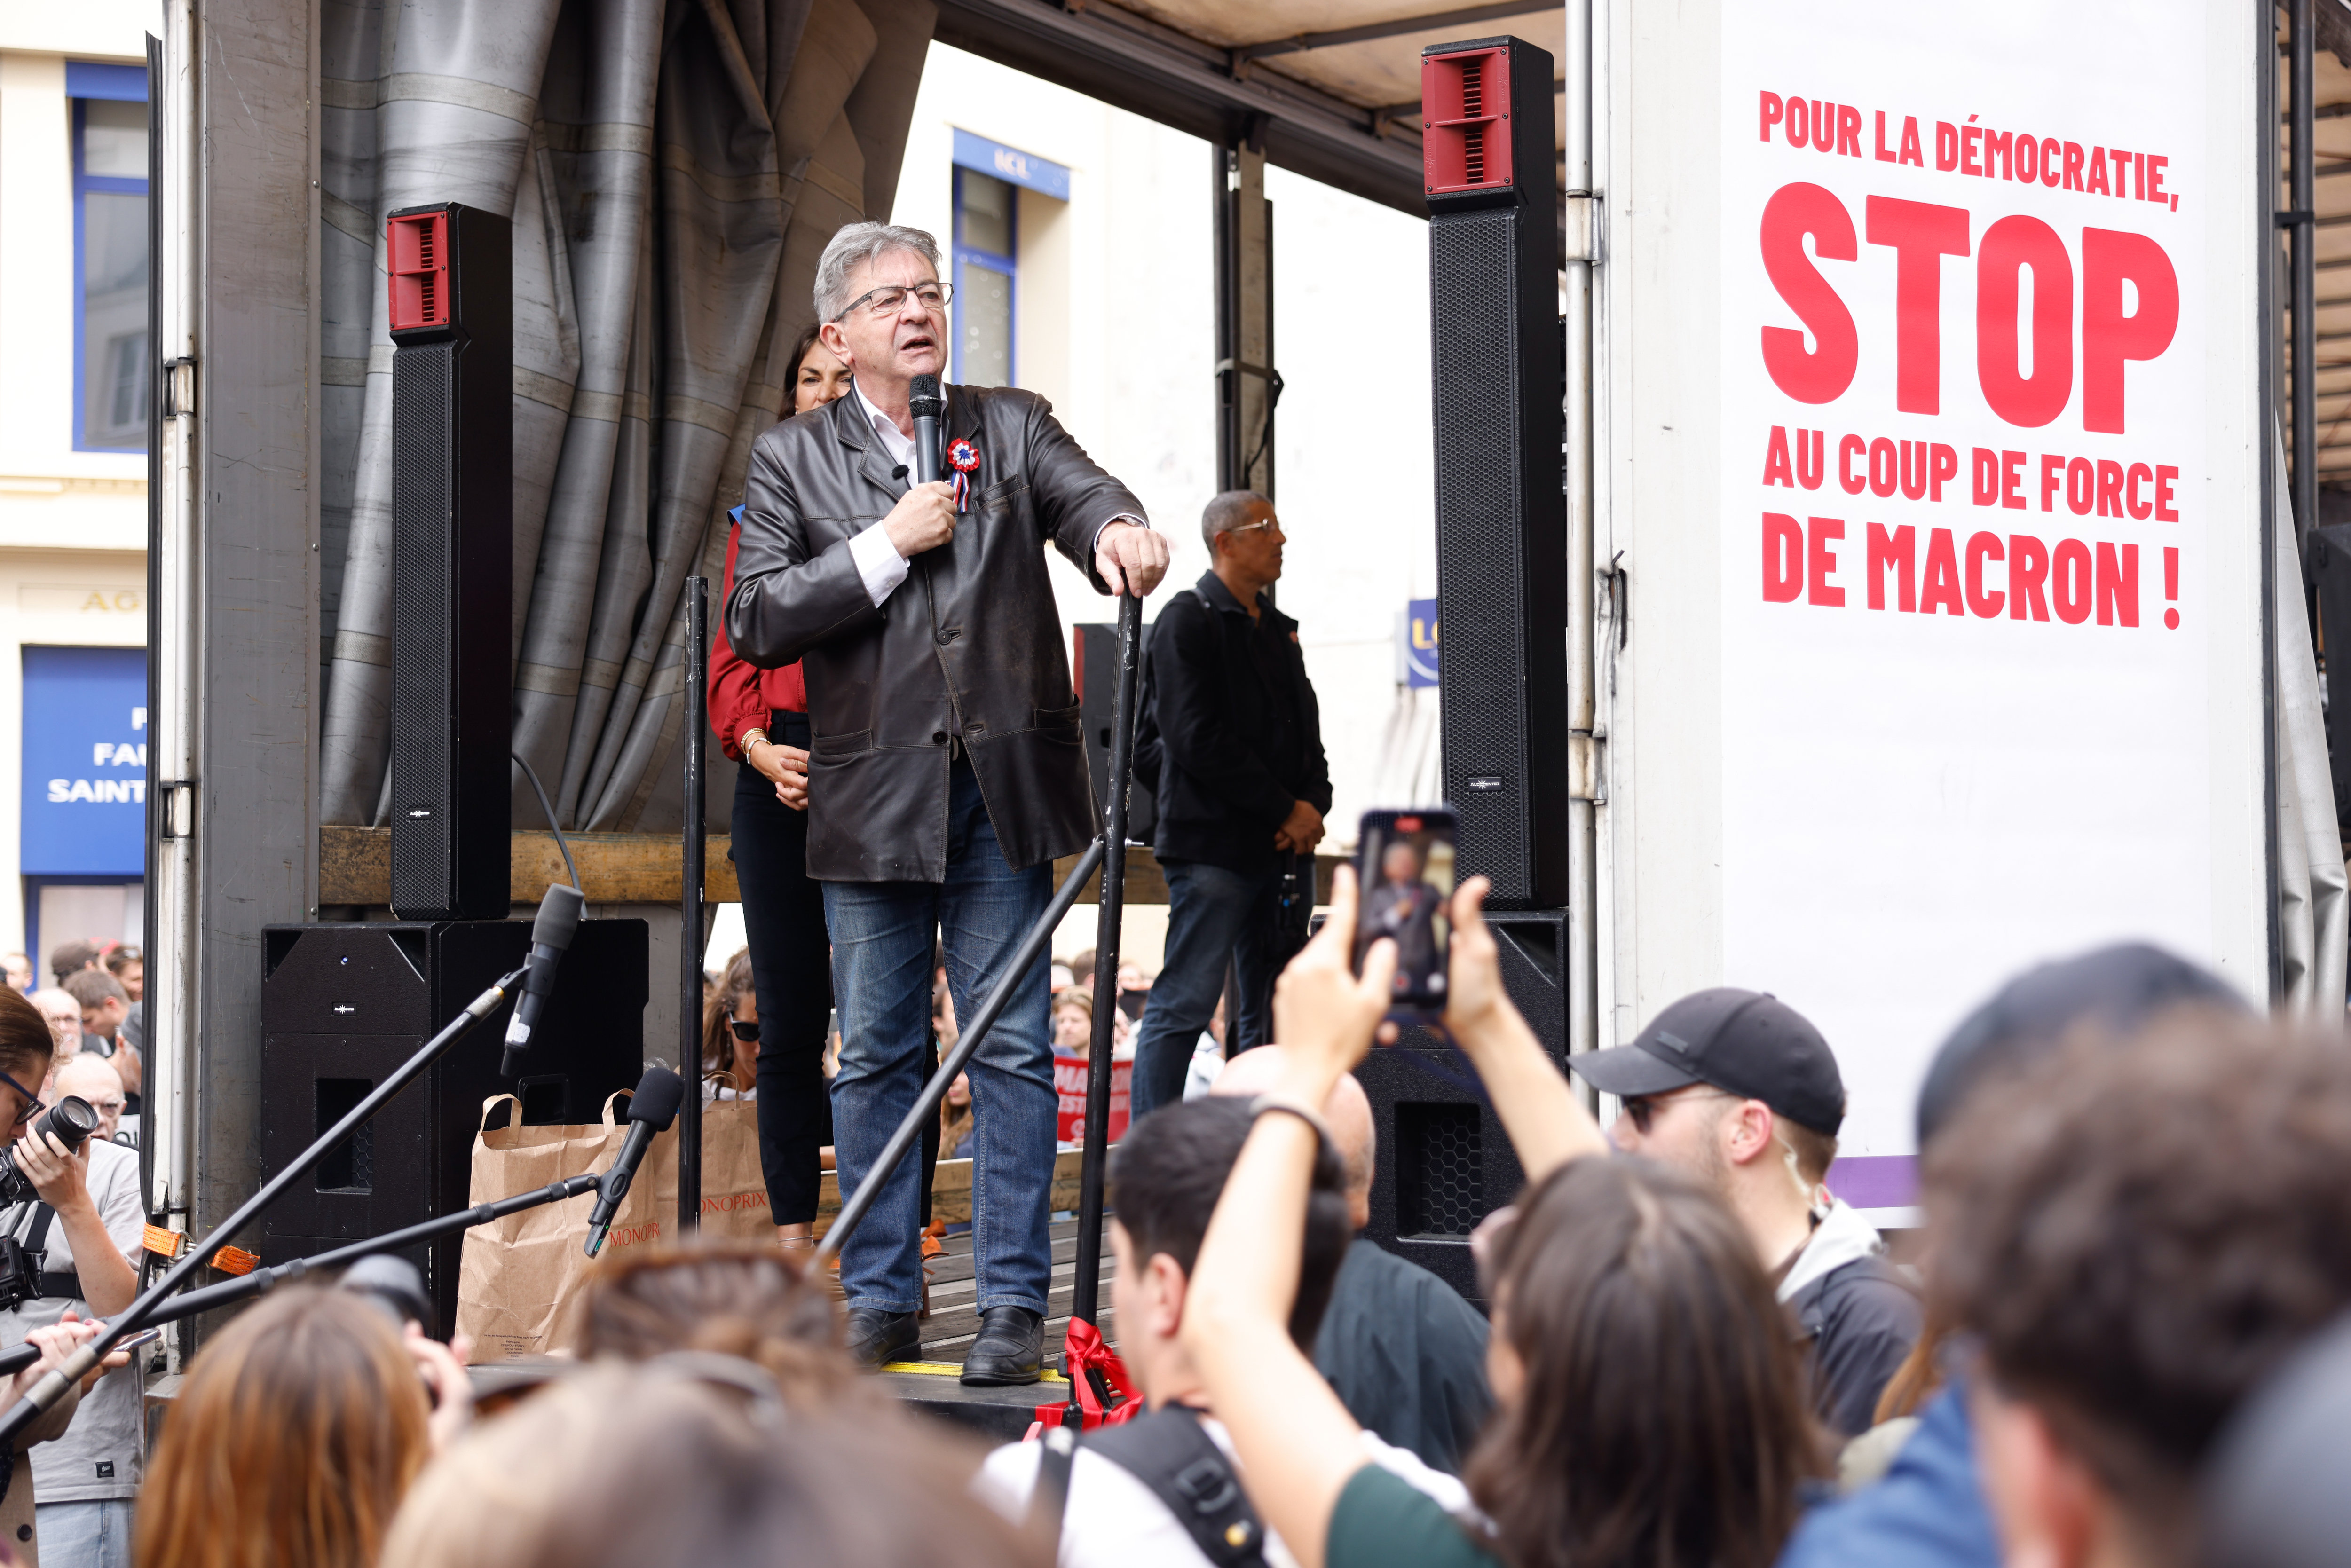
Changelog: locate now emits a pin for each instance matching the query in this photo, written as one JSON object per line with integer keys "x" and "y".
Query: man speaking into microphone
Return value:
{"x": 947, "y": 766}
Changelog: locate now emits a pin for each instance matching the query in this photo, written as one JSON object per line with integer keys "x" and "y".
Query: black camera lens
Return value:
{"x": 71, "y": 1119}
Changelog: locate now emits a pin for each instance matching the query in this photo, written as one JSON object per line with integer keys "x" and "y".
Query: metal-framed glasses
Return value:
{"x": 1256, "y": 527}
{"x": 891, "y": 298}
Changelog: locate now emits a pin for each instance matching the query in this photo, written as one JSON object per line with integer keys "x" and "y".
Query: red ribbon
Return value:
{"x": 1084, "y": 1350}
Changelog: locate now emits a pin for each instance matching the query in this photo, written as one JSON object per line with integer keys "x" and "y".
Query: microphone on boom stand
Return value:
{"x": 929, "y": 406}
{"x": 550, "y": 935}
{"x": 651, "y": 1109}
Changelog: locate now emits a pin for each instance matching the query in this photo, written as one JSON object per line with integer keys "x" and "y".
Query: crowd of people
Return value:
{"x": 2126, "y": 1340}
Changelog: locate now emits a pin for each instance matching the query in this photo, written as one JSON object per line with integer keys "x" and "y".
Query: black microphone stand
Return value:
{"x": 17, "y": 1357}
{"x": 1109, "y": 853}
{"x": 689, "y": 1023}
{"x": 47, "y": 1392}
{"x": 1085, "y": 1284}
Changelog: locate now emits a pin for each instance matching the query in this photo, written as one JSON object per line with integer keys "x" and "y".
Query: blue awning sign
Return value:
{"x": 1010, "y": 164}
{"x": 84, "y": 789}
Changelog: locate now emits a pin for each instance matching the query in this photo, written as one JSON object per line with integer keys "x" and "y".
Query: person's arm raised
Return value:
{"x": 1547, "y": 1124}
{"x": 1298, "y": 1446}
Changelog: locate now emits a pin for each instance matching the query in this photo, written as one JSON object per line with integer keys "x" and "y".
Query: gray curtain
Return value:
{"x": 2313, "y": 893}
{"x": 672, "y": 170}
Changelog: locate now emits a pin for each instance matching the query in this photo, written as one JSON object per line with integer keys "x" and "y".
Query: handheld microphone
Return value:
{"x": 651, "y": 1109}
{"x": 929, "y": 406}
{"x": 550, "y": 934}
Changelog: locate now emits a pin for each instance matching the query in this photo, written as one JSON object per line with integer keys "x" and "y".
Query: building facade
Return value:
{"x": 73, "y": 471}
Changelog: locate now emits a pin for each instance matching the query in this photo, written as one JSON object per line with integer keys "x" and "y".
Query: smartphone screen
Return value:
{"x": 1404, "y": 868}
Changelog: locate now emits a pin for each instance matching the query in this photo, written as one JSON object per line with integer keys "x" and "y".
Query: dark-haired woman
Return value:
{"x": 761, "y": 720}
{"x": 1648, "y": 1405}
{"x": 730, "y": 1032}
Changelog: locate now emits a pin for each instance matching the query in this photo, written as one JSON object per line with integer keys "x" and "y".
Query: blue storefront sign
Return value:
{"x": 1041, "y": 175}
{"x": 1420, "y": 643}
{"x": 85, "y": 757}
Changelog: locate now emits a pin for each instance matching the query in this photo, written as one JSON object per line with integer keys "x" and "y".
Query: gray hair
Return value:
{"x": 853, "y": 246}
{"x": 1227, "y": 512}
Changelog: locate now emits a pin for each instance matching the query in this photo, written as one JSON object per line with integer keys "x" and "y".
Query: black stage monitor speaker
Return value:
{"x": 453, "y": 560}
{"x": 1094, "y": 655}
{"x": 1501, "y": 517}
{"x": 342, "y": 1006}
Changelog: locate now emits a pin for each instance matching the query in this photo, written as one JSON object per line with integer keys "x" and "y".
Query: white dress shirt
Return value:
{"x": 879, "y": 565}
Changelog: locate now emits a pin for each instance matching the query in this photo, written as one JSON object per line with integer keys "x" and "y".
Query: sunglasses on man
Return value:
{"x": 1643, "y": 1108}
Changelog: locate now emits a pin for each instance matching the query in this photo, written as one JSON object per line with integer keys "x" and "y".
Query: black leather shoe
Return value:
{"x": 1009, "y": 1351}
{"x": 876, "y": 1337}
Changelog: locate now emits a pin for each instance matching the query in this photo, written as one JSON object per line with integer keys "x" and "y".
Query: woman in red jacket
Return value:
{"x": 761, "y": 720}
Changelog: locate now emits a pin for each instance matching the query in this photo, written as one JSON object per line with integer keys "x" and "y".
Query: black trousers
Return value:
{"x": 791, "y": 970}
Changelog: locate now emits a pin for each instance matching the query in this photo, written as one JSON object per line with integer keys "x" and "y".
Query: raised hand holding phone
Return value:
{"x": 1325, "y": 1010}
{"x": 1404, "y": 866}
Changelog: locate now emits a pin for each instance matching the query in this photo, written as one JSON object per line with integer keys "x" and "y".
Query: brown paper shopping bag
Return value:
{"x": 734, "y": 1189}
{"x": 517, "y": 1276}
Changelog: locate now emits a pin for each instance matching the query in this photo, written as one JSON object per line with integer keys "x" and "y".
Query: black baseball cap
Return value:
{"x": 1749, "y": 1042}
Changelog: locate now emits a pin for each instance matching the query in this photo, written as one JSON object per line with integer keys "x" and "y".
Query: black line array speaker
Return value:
{"x": 342, "y": 1006}
{"x": 453, "y": 560}
{"x": 1093, "y": 650}
{"x": 1444, "y": 1162}
{"x": 1501, "y": 517}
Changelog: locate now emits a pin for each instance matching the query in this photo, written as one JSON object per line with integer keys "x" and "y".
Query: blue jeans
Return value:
{"x": 1213, "y": 915}
{"x": 83, "y": 1534}
{"x": 882, "y": 933}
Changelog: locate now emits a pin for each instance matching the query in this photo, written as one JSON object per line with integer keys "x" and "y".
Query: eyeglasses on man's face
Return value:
{"x": 891, "y": 298}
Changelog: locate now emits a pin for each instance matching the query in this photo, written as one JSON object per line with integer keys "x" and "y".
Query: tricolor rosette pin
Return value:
{"x": 964, "y": 459}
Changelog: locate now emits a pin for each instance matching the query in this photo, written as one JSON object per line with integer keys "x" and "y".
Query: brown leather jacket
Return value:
{"x": 966, "y": 651}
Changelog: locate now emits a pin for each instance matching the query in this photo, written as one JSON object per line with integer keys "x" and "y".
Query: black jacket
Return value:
{"x": 1406, "y": 1354}
{"x": 969, "y": 645}
{"x": 1858, "y": 1322}
{"x": 1239, "y": 733}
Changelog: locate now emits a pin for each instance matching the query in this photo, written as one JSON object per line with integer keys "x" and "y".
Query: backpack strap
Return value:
{"x": 1051, "y": 1498}
{"x": 1168, "y": 1451}
{"x": 63, "y": 1286}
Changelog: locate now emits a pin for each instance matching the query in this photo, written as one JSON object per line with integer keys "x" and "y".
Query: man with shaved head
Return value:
{"x": 93, "y": 1078}
{"x": 1405, "y": 1352}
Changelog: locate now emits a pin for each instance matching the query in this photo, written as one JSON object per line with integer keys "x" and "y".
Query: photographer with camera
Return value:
{"x": 70, "y": 1217}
